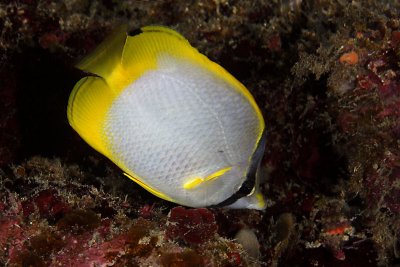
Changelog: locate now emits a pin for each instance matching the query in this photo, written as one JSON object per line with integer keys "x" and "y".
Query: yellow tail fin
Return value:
{"x": 87, "y": 107}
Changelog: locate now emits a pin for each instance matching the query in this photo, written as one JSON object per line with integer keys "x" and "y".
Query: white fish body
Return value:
{"x": 175, "y": 122}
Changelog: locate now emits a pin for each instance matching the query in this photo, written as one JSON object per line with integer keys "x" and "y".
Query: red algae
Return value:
{"x": 48, "y": 203}
{"x": 234, "y": 259}
{"x": 193, "y": 226}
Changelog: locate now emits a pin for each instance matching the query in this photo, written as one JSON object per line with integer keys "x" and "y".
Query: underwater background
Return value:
{"x": 326, "y": 75}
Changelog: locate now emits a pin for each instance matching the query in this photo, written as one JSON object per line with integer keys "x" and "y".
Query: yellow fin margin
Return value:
{"x": 148, "y": 188}
{"x": 86, "y": 113}
{"x": 261, "y": 201}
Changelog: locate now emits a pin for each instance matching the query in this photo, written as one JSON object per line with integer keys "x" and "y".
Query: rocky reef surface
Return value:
{"x": 326, "y": 75}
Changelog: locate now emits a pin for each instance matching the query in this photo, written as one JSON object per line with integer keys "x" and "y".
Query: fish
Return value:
{"x": 175, "y": 122}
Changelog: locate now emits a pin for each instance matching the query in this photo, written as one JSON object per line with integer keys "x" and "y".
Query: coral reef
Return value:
{"x": 326, "y": 75}
{"x": 58, "y": 222}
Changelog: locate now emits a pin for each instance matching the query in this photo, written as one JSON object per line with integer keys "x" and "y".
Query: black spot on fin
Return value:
{"x": 134, "y": 32}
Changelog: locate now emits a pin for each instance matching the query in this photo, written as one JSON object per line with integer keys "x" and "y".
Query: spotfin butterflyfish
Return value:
{"x": 175, "y": 122}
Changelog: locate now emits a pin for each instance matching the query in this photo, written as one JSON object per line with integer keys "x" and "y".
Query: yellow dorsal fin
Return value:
{"x": 164, "y": 30}
{"x": 107, "y": 56}
{"x": 143, "y": 50}
{"x": 195, "y": 182}
{"x": 153, "y": 41}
